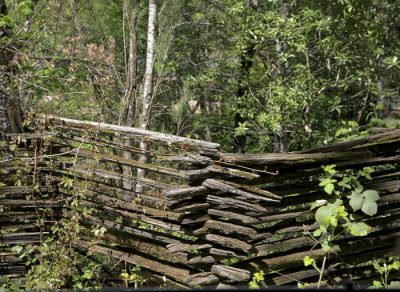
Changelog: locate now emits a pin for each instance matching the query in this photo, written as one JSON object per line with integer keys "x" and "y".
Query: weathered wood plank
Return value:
{"x": 120, "y": 177}
{"x": 132, "y": 162}
{"x": 183, "y": 247}
{"x": 122, "y": 239}
{"x": 226, "y": 227}
{"x": 202, "y": 279}
{"x": 13, "y": 270}
{"x": 279, "y": 160}
{"x": 165, "y": 224}
{"x": 190, "y": 206}
{"x": 218, "y": 171}
{"x": 28, "y": 237}
{"x": 201, "y": 261}
{"x": 231, "y": 273}
{"x": 137, "y": 232}
{"x": 245, "y": 191}
{"x": 235, "y": 203}
{"x": 182, "y": 192}
{"x": 192, "y": 159}
{"x": 232, "y": 215}
{"x": 31, "y": 203}
{"x": 224, "y": 254}
{"x": 23, "y": 190}
{"x": 151, "y": 264}
{"x": 197, "y": 218}
{"x": 131, "y": 206}
{"x": 229, "y": 242}
{"x": 378, "y": 139}
{"x": 154, "y": 136}
{"x": 283, "y": 216}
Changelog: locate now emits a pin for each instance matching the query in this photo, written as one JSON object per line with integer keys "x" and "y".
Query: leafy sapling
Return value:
{"x": 333, "y": 217}
{"x": 255, "y": 281}
{"x": 384, "y": 271}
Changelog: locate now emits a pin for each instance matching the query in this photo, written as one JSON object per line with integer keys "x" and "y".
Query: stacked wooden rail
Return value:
{"x": 204, "y": 217}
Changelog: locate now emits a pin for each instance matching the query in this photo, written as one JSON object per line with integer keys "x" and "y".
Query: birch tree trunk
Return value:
{"x": 76, "y": 17}
{"x": 148, "y": 86}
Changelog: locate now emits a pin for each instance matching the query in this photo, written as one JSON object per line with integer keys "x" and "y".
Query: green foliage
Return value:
{"x": 333, "y": 217}
{"x": 308, "y": 261}
{"x": 55, "y": 263}
{"x": 302, "y": 285}
{"x": 384, "y": 271}
{"x": 133, "y": 276}
{"x": 258, "y": 277}
{"x": 366, "y": 201}
{"x": 6, "y": 284}
{"x": 306, "y": 85}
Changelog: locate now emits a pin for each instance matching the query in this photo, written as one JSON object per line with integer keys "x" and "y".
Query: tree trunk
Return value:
{"x": 76, "y": 18}
{"x": 4, "y": 86}
{"x": 246, "y": 61}
{"x": 10, "y": 110}
{"x": 148, "y": 86}
{"x": 280, "y": 136}
{"x": 130, "y": 91}
{"x": 5, "y": 57}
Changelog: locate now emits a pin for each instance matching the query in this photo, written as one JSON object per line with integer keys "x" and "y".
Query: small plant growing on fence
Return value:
{"x": 255, "y": 281}
{"x": 384, "y": 271}
{"x": 333, "y": 217}
{"x": 132, "y": 275}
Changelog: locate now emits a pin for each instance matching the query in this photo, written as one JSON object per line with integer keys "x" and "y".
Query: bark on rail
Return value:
{"x": 135, "y": 132}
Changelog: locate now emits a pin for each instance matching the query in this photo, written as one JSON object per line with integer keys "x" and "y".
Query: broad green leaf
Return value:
{"x": 371, "y": 195}
{"x": 337, "y": 203}
{"x": 344, "y": 181}
{"x": 308, "y": 261}
{"x": 369, "y": 207}
{"x": 317, "y": 232}
{"x": 17, "y": 249}
{"x": 302, "y": 286}
{"x": 326, "y": 247}
{"x": 377, "y": 284}
{"x": 253, "y": 285}
{"x": 396, "y": 265}
{"x": 340, "y": 212}
{"x": 322, "y": 213}
{"x": 325, "y": 182}
{"x": 380, "y": 269}
{"x": 356, "y": 200}
{"x": 394, "y": 285}
{"x": 329, "y": 188}
{"x": 359, "y": 188}
{"x": 333, "y": 221}
{"x": 359, "y": 229}
{"x": 317, "y": 204}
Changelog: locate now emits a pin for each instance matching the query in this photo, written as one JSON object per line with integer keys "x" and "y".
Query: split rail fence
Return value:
{"x": 204, "y": 217}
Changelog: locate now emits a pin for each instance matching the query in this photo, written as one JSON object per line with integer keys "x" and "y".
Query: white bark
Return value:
{"x": 76, "y": 17}
{"x": 148, "y": 85}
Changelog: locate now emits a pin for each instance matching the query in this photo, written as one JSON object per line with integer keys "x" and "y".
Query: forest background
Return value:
{"x": 254, "y": 76}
